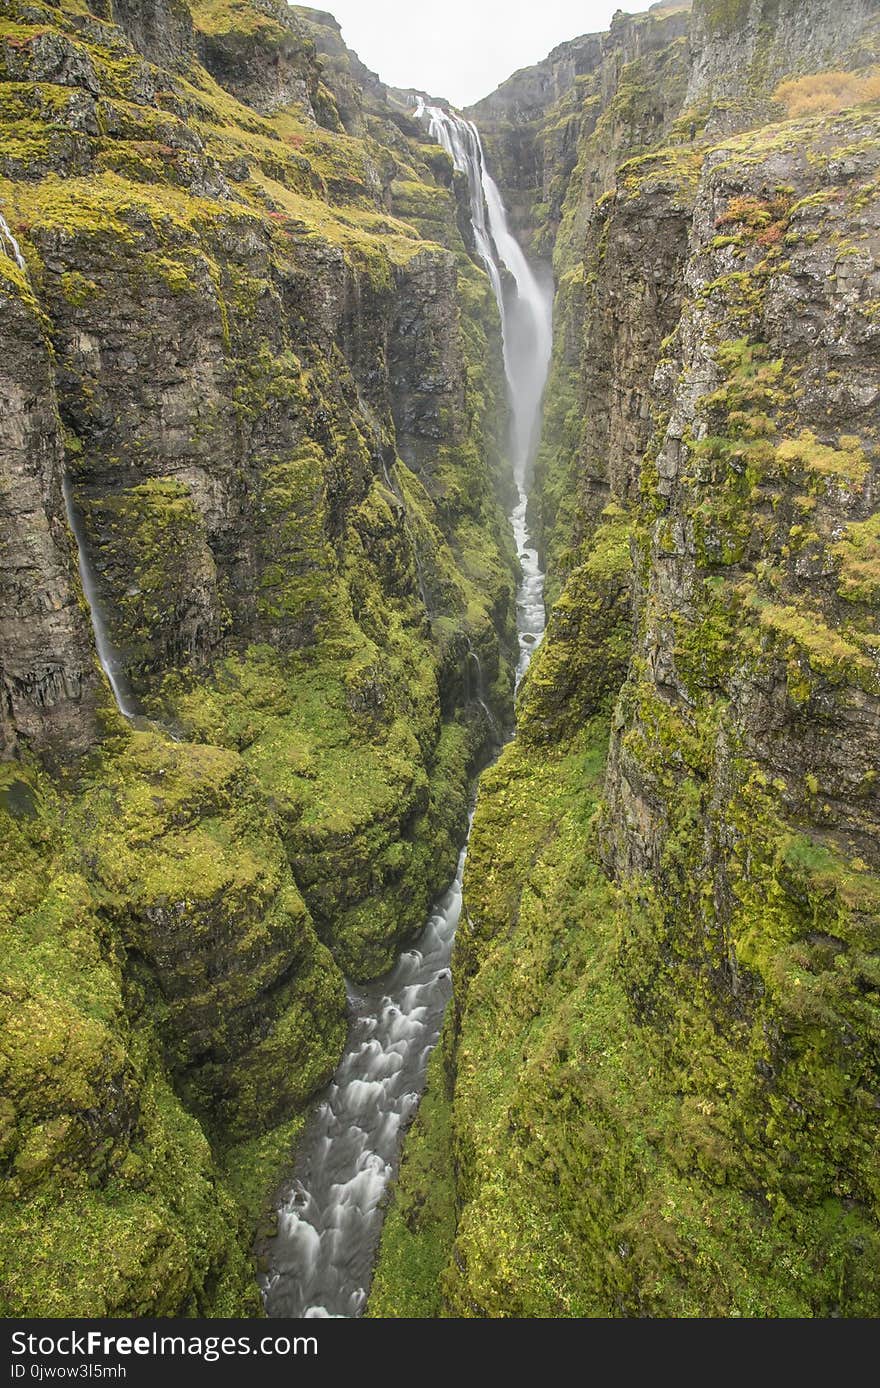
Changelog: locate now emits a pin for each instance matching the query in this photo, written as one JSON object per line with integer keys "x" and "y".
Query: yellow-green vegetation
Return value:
{"x": 302, "y": 189}
{"x": 738, "y": 475}
{"x": 663, "y": 1063}
{"x": 189, "y": 867}
{"x": 113, "y": 1203}
{"x": 846, "y": 464}
{"x": 559, "y": 518}
{"x": 722, "y": 16}
{"x": 279, "y": 375}
{"x": 581, "y": 665}
{"x": 369, "y": 823}
{"x": 827, "y": 650}
{"x": 155, "y": 552}
{"x": 828, "y": 92}
{"x": 238, "y": 17}
{"x": 251, "y": 1168}
{"x": 585, "y": 436}
{"x": 420, "y": 1225}
{"x": 628, "y": 1138}
{"x": 858, "y": 557}
{"x": 278, "y": 383}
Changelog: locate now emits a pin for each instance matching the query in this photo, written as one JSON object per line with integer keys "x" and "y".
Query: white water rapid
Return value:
{"x": 329, "y": 1215}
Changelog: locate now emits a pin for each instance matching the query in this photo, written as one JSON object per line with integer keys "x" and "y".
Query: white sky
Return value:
{"x": 462, "y": 49}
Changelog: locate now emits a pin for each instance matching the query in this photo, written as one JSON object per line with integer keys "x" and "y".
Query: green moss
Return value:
{"x": 254, "y": 1168}
{"x": 858, "y": 559}
{"x": 560, "y": 522}
{"x": 78, "y": 289}
{"x": 170, "y": 1007}
{"x": 419, "y": 1226}
{"x": 827, "y": 649}
{"x": 845, "y": 466}
{"x": 612, "y": 1160}
{"x": 157, "y": 564}
{"x": 112, "y": 1203}
{"x": 663, "y": 1087}
{"x": 237, "y": 17}
{"x": 582, "y": 660}
{"x": 195, "y": 879}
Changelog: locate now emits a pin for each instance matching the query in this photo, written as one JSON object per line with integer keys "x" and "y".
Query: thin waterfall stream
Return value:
{"x": 329, "y": 1212}
{"x": 9, "y": 245}
{"x": 107, "y": 654}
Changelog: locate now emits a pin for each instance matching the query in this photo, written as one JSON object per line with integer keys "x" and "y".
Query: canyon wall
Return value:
{"x": 250, "y": 361}
{"x": 247, "y": 352}
{"x": 658, "y": 1090}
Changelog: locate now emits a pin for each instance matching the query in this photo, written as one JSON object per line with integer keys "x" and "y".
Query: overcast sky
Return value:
{"x": 462, "y": 49}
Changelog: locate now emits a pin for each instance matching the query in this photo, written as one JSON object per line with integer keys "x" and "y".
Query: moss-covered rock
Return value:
{"x": 663, "y": 1065}
{"x": 420, "y": 1226}
{"x": 109, "y": 1183}
{"x": 252, "y": 341}
{"x": 580, "y": 665}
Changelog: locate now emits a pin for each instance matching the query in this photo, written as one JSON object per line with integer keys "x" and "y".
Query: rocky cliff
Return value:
{"x": 659, "y": 1088}
{"x": 252, "y": 437}
{"x": 248, "y": 357}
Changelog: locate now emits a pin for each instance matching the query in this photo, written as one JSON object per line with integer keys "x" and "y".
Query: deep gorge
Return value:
{"x": 249, "y": 336}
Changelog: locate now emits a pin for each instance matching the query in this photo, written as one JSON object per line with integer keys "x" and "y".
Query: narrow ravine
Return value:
{"x": 329, "y": 1212}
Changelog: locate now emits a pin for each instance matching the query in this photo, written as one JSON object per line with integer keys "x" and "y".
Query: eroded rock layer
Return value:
{"x": 660, "y": 1084}
{"x": 248, "y": 357}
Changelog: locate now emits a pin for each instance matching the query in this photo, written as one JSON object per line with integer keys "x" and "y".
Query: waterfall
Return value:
{"x": 107, "y": 655}
{"x": 9, "y": 245}
{"x": 527, "y": 334}
{"x": 480, "y": 696}
{"x": 527, "y": 315}
{"x": 330, "y": 1210}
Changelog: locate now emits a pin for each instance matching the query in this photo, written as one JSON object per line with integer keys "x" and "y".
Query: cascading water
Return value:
{"x": 329, "y": 1215}
{"x": 106, "y": 653}
{"x": 527, "y": 334}
{"x": 9, "y": 245}
{"x": 475, "y": 689}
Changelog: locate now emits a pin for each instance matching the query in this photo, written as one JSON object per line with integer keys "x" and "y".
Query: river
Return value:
{"x": 330, "y": 1211}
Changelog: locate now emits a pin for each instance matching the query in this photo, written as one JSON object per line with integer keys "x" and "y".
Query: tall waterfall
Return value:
{"x": 330, "y": 1212}
{"x": 527, "y": 331}
{"x": 526, "y": 314}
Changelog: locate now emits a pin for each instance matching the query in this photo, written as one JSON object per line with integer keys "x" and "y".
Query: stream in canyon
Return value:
{"x": 330, "y": 1212}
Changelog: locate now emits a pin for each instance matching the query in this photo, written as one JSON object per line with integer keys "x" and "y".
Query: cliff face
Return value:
{"x": 248, "y": 352}
{"x": 50, "y": 688}
{"x": 558, "y": 132}
{"x": 741, "y": 50}
{"x": 256, "y": 350}
{"x": 661, "y": 1074}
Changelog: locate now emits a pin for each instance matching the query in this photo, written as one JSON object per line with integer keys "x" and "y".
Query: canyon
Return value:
{"x": 267, "y": 407}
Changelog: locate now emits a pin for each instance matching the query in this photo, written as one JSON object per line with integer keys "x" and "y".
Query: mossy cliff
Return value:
{"x": 659, "y": 1085}
{"x": 250, "y": 343}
